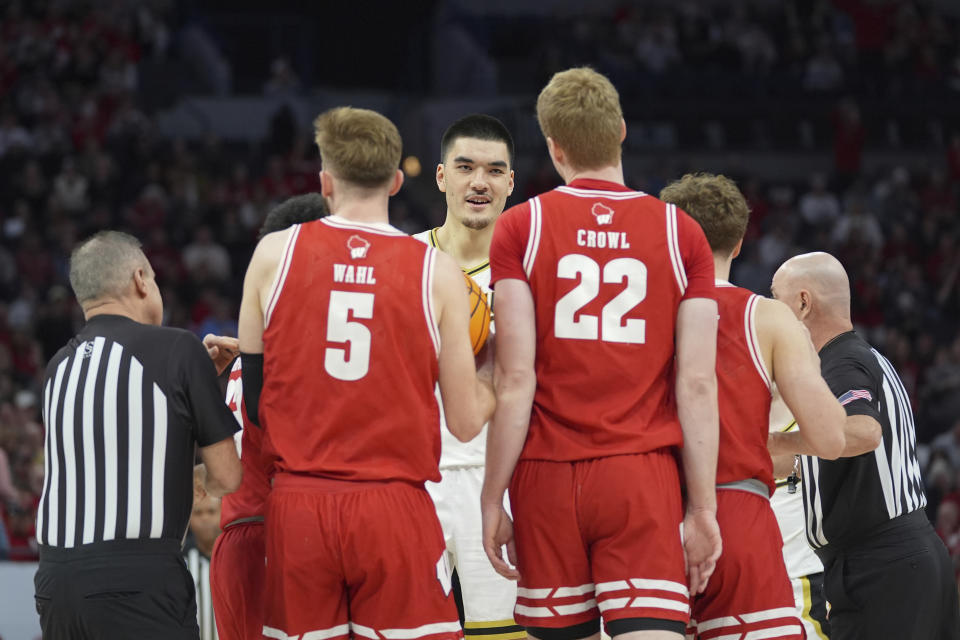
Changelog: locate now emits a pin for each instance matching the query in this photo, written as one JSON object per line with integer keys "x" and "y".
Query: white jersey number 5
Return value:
{"x": 345, "y": 308}
{"x": 610, "y": 326}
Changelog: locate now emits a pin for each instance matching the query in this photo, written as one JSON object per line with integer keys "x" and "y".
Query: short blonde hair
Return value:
{"x": 716, "y": 203}
{"x": 580, "y": 110}
{"x": 358, "y": 146}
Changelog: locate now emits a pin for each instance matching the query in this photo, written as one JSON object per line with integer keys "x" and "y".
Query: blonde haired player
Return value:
{"x": 604, "y": 316}
{"x": 476, "y": 175}
{"x": 346, "y": 326}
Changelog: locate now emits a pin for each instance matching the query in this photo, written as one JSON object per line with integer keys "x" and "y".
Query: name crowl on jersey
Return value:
{"x": 602, "y": 239}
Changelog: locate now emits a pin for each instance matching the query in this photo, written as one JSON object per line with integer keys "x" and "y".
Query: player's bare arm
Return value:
{"x": 467, "y": 399}
{"x": 256, "y": 285}
{"x": 222, "y": 466}
{"x": 783, "y": 466}
{"x": 795, "y": 367}
{"x": 862, "y": 434}
{"x": 700, "y": 421}
{"x": 516, "y": 382}
{"x": 260, "y": 275}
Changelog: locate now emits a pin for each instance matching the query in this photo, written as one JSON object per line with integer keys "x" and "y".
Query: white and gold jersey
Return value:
{"x": 788, "y": 507}
{"x": 453, "y": 452}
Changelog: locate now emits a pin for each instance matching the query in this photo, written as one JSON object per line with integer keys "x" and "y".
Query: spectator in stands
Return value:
{"x": 949, "y": 444}
{"x": 819, "y": 208}
{"x": 205, "y": 259}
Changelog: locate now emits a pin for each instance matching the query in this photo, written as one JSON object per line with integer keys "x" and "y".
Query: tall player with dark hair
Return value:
{"x": 606, "y": 332}
{"x": 236, "y": 567}
{"x": 347, "y": 325}
{"x": 476, "y": 176}
{"x": 759, "y": 344}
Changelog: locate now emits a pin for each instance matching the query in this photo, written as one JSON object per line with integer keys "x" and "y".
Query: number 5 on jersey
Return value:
{"x": 609, "y": 327}
{"x": 345, "y": 308}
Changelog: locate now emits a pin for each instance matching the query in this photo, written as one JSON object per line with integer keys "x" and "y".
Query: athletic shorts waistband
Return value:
{"x": 146, "y": 546}
{"x": 750, "y": 485}
{"x": 319, "y": 484}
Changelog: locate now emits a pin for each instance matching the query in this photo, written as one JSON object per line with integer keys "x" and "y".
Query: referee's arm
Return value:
{"x": 858, "y": 391}
{"x": 214, "y": 424}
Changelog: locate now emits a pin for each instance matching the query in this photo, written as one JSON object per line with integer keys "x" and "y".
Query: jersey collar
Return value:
{"x": 597, "y": 185}
{"x": 838, "y": 339}
{"x": 434, "y": 242}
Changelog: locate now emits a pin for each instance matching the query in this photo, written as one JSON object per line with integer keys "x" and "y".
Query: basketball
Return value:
{"x": 479, "y": 315}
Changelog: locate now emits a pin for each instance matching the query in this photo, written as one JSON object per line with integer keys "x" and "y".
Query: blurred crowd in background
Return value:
{"x": 80, "y": 151}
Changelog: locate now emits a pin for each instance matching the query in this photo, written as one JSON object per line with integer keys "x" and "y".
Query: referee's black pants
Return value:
{"x": 897, "y": 584}
{"x": 136, "y": 589}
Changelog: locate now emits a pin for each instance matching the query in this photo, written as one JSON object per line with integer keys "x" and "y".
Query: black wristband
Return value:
{"x": 251, "y": 371}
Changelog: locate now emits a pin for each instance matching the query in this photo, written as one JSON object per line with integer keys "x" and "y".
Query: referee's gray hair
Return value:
{"x": 101, "y": 266}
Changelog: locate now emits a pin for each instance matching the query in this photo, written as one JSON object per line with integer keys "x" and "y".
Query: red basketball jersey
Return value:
{"x": 350, "y": 355}
{"x": 608, "y": 268}
{"x": 743, "y": 389}
{"x": 249, "y": 501}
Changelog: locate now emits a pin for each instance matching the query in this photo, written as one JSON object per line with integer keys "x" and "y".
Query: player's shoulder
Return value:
{"x": 773, "y": 307}
{"x": 275, "y": 240}
{"x": 424, "y": 236}
{"x": 520, "y": 209}
{"x": 773, "y": 316}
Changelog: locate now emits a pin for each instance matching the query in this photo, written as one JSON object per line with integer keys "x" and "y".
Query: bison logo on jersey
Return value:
{"x": 602, "y": 213}
{"x": 358, "y": 247}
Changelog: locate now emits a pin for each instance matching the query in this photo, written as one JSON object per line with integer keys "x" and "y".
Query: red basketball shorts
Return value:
{"x": 599, "y": 537}
{"x": 749, "y": 593}
{"x": 237, "y": 581}
{"x": 365, "y": 559}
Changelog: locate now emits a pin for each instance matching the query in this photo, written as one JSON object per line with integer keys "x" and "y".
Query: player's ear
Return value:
{"x": 510, "y": 183}
{"x": 441, "y": 181}
{"x": 326, "y": 184}
{"x": 623, "y": 130}
{"x": 736, "y": 249}
{"x": 556, "y": 153}
{"x": 397, "y": 182}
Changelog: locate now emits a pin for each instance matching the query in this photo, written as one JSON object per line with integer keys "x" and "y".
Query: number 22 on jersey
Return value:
{"x": 610, "y": 326}
{"x": 345, "y": 308}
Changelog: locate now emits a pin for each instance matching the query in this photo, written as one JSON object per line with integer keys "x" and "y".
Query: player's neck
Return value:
{"x": 721, "y": 268}
{"x": 607, "y": 174}
{"x": 370, "y": 210}
{"x": 469, "y": 247}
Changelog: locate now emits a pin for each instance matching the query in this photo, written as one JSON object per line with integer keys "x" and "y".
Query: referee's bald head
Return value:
{"x": 103, "y": 266}
{"x": 814, "y": 283}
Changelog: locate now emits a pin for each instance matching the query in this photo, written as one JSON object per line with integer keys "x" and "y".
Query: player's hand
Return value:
{"x": 701, "y": 547}
{"x": 497, "y": 532}
{"x": 222, "y": 350}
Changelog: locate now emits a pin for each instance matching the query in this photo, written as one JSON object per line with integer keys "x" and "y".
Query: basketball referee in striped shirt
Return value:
{"x": 886, "y": 573}
{"x": 125, "y": 402}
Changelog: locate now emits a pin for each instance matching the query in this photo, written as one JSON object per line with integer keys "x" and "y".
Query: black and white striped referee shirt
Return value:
{"x": 845, "y": 499}
{"x": 124, "y": 405}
